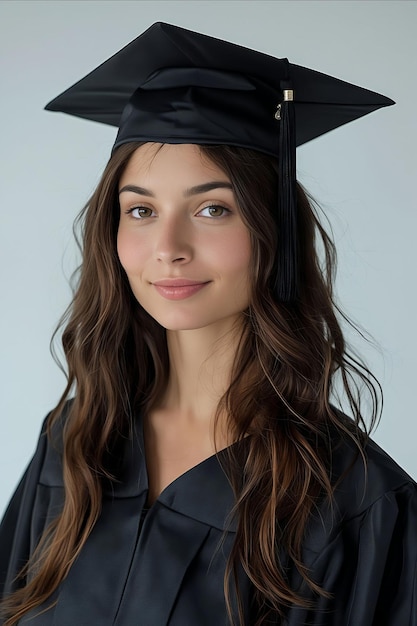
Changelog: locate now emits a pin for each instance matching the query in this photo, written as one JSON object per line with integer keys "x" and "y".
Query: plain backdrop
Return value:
{"x": 363, "y": 175}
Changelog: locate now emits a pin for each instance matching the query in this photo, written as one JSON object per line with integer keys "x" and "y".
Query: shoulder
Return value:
{"x": 373, "y": 512}
{"x": 361, "y": 546}
{"x": 364, "y": 477}
{"x": 34, "y": 504}
{"x": 374, "y": 504}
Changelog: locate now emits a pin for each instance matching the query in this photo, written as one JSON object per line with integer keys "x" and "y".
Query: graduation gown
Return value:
{"x": 167, "y": 567}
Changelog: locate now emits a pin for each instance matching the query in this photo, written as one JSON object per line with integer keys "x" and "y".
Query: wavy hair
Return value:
{"x": 291, "y": 362}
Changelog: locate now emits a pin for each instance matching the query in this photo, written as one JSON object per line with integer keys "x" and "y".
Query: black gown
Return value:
{"x": 165, "y": 567}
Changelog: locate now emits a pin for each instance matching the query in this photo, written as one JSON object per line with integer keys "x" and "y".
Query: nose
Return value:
{"x": 173, "y": 242}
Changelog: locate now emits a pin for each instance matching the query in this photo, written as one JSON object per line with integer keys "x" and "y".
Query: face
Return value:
{"x": 181, "y": 239}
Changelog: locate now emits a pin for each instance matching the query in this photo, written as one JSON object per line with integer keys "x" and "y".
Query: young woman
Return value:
{"x": 201, "y": 473}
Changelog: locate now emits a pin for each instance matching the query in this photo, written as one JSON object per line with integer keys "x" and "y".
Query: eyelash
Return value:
{"x": 209, "y": 206}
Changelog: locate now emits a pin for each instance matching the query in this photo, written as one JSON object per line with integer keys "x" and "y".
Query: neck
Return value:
{"x": 201, "y": 362}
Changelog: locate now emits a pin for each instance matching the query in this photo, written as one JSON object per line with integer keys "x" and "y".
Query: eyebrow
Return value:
{"x": 191, "y": 191}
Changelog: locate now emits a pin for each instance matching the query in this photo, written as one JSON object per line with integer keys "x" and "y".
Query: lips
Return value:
{"x": 178, "y": 282}
{"x": 178, "y": 288}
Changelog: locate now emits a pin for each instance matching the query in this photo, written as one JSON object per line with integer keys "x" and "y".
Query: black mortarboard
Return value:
{"x": 172, "y": 85}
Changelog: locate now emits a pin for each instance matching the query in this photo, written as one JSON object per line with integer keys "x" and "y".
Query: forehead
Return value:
{"x": 152, "y": 161}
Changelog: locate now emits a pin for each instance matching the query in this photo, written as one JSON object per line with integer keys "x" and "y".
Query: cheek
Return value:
{"x": 236, "y": 253}
{"x": 131, "y": 252}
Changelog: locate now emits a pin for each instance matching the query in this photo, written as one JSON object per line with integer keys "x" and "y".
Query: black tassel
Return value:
{"x": 286, "y": 285}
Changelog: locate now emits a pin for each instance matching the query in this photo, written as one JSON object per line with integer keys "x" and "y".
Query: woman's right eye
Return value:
{"x": 140, "y": 212}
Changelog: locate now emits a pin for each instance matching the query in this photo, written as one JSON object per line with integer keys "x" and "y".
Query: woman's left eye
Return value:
{"x": 214, "y": 210}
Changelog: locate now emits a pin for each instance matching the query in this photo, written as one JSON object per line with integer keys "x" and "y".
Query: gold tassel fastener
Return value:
{"x": 288, "y": 96}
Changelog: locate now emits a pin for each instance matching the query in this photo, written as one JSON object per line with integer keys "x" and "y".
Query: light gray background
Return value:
{"x": 363, "y": 175}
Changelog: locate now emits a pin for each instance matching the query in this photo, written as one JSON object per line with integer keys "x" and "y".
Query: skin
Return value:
{"x": 166, "y": 232}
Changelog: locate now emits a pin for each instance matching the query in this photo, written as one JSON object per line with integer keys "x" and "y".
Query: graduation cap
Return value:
{"x": 173, "y": 85}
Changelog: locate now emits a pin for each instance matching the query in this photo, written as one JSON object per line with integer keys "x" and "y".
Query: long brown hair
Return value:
{"x": 291, "y": 361}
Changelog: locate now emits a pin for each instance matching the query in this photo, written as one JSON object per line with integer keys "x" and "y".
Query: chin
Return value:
{"x": 182, "y": 322}
{"x": 179, "y": 325}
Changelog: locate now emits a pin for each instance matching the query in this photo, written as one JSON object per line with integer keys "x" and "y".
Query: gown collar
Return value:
{"x": 203, "y": 493}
